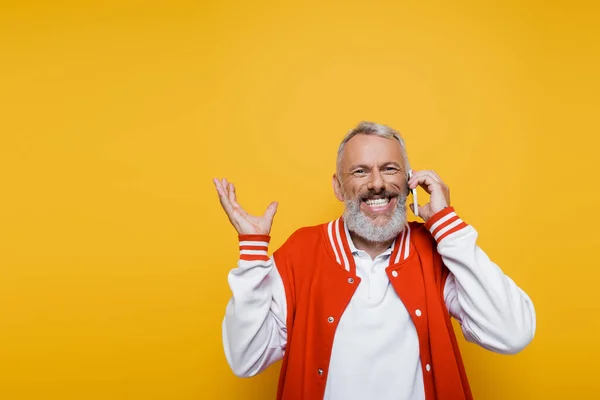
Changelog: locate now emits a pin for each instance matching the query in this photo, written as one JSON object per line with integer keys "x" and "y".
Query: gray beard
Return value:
{"x": 360, "y": 224}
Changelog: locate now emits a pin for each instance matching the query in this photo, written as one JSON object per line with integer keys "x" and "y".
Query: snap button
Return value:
{"x": 428, "y": 367}
{"x": 330, "y": 319}
{"x": 320, "y": 371}
{"x": 418, "y": 312}
{"x": 350, "y": 280}
{"x": 395, "y": 274}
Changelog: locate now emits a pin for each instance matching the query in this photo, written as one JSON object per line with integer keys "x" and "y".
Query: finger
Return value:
{"x": 414, "y": 177}
{"x": 219, "y": 188}
{"x": 223, "y": 198}
{"x": 222, "y": 184}
{"x": 432, "y": 175}
{"x": 437, "y": 176}
{"x": 428, "y": 172}
{"x": 233, "y": 196}
{"x": 231, "y": 193}
{"x": 438, "y": 185}
{"x": 225, "y": 184}
{"x": 425, "y": 181}
{"x": 271, "y": 210}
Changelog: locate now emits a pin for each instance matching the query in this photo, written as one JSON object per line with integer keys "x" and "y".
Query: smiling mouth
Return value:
{"x": 378, "y": 203}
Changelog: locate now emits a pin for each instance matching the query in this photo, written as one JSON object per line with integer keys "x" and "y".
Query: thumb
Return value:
{"x": 271, "y": 210}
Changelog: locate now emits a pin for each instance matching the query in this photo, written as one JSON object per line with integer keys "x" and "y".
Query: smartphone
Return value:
{"x": 414, "y": 194}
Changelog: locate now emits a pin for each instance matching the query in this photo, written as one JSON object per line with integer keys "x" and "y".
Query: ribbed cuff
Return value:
{"x": 254, "y": 247}
{"x": 444, "y": 223}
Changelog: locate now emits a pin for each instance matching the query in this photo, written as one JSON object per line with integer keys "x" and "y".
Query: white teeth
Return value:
{"x": 377, "y": 202}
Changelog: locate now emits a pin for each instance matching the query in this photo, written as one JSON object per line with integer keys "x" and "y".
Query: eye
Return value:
{"x": 359, "y": 172}
{"x": 390, "y": 170}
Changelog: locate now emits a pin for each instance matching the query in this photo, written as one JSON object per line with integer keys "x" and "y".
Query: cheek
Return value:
{"x": 396, "y": 183}
{"x": 353, "y": 189}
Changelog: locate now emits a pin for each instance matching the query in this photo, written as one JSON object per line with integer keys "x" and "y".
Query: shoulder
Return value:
{"x": 421, "y": 237}
{"x": 419, "y": 230}
{"x": 302, "y": 251}
{"x": 305, "y": 236}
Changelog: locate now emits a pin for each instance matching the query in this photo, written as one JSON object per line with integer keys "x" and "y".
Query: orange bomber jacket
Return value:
{"x": 319, "y": 276}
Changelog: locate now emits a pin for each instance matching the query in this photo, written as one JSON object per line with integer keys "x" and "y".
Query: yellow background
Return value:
{"x": 115, "y": 116}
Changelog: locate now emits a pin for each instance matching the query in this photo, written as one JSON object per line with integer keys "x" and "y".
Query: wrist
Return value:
{"x": 254, "y": 247}
{"x": 444, "y": 223}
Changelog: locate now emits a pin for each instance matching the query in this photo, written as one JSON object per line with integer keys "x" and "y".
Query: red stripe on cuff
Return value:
{"x": 264, "y": 248}
{"x": 445, "y": 224}
{"x": 437, "y": 216}
{"x": 254, "y": 238}
{"x": 450, "y": 231}
{"x": 254, "y": 257}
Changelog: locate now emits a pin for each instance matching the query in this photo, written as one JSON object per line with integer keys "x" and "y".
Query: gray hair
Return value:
{"x": 371, "y": 128}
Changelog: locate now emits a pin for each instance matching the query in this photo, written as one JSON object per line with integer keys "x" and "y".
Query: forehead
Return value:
{"x": 371, "y": 150}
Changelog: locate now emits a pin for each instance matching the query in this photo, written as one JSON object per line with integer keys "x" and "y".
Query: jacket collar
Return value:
{"x": 343, "y": 247}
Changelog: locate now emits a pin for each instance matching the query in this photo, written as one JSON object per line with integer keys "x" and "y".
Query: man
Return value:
{"x": 359, "y": 308}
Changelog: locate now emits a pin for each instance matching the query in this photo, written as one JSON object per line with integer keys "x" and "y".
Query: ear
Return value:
{"x": 337, "y": 188}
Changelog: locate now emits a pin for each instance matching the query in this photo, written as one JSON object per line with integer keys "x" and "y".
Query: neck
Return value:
{"x": 372, "y": 248}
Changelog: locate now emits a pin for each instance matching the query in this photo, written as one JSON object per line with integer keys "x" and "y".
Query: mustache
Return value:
{"x": 370, "y": 195}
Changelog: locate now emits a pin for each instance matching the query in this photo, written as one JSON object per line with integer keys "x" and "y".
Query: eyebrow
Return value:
{"x": 364, "y": 166}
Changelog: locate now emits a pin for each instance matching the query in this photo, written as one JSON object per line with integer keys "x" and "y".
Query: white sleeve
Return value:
{"x": 492, "y": 310}
{"x": 254, "y": 327}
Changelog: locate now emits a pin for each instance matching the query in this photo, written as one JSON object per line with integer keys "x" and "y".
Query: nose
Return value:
{"x": 376, "y": 182}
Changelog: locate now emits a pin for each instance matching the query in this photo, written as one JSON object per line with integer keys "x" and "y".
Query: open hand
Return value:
{"x": 244, "y": 223}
